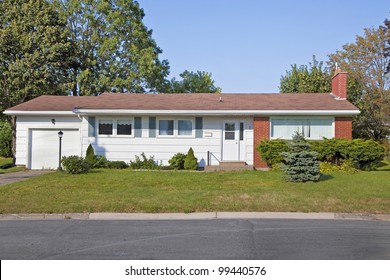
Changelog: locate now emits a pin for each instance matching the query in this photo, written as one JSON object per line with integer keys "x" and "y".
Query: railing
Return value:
{"x": 209, "y": 155}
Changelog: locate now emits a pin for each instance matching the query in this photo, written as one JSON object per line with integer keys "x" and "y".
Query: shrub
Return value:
{"x": 90, "y": 155}
{"x": 177, "y": 161}
{"x": 100, "y": 162}
{"x": 75, "y": 165}
{"x": 117, "y": 164}
{"x": 345, "y": 167}
{"x": 143, "y": 162}
{"x": 363, "y": 154}
{"x": 190, "y": 162}
{"x": 301, "y": 164}
{"x": 5, "y": 139}
{"x": 270, "y": 151}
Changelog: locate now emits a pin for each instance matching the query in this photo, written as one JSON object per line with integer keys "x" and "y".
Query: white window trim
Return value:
{"x": 114, "y": 127}
{"x": 301, "y": 117}
{"x": 175, "y": 127}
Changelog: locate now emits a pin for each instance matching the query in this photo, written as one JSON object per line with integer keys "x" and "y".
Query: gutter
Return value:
{"x": 86, "y": 112}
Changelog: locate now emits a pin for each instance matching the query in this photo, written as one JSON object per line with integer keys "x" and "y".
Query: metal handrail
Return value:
{"x": 209, "y": 154}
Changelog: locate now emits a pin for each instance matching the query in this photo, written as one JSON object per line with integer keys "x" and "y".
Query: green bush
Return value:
{"x": 177, "y": 161}
{"x": 190, "y": 162}
{"x": 5, "y": 139}
{"x": 117, "y": 164}
{"x": 363, "y": 154}
{"x": 271, "y": 151}
{"x": 100, "y": 162}
{"x": 345, "y": 167}
{"x": 143, "y": 162}
{"x": 75, "y": 165}
{"x": 90, "y": 155}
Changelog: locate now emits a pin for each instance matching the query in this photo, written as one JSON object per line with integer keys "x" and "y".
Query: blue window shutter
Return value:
{"x": 152, "y": 127}
{"x": 198, "y": 127}
{"x": 91, "y": 126}
{"x": 137, "y": 127}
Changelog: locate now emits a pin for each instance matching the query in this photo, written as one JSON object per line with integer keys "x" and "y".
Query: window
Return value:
{"x": 165, "y": 127}
{"x": 309, "y": 128}
{"x": 184, "y": 127}
{"x": 123, "y": 127}
{"x": 105, "y": 127}
{"x": 230, "y": 129}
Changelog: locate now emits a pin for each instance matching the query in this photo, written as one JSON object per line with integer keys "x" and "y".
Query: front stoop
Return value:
{"x": 229, "y": 166}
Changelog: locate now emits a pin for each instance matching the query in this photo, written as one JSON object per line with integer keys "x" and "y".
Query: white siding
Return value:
{"x": 26, "y": 123}
{"x": 126, "y": 148}
{"x": 163, "y": 148}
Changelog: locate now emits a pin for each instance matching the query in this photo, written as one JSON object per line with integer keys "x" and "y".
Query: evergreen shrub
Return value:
{"x": 271, "y": 151}
{"x": 301, "y": 164}
{"x": 177, "y": 161}
{"x": 191, "y": 162}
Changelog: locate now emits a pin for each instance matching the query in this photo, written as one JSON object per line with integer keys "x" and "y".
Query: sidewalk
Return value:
{"x": 196, "y": 216}
{"x": 20, "y": 176}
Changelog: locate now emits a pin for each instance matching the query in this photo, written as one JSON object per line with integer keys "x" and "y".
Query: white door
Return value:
{"x": 230, "y": 145}
{"x": 44, "y": 147}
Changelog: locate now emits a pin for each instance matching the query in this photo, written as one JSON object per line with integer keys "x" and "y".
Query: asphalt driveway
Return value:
{"x": 20, "y": 176}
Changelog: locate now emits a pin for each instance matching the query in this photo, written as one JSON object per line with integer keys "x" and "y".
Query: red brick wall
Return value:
{"x": 339, "y": 84}
{"x": 343, "y": 128}
{"x": 261, "y": 131}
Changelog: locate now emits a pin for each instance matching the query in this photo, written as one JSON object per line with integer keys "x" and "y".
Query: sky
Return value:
{"x": 247, "y": 45}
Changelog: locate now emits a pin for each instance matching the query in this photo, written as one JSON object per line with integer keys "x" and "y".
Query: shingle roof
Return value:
{"x": 198, "y": 101}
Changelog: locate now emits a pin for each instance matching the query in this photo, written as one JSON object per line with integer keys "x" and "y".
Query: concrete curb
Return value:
{"x": 196, "y": 216}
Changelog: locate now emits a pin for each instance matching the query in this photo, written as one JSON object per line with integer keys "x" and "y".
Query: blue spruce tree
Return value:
{"x": 301, "y": 164}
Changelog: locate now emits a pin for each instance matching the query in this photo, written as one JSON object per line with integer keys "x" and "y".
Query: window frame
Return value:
{"x": 114, "y": 127}
{"x": 271, "y": 119}
{"x": 175, "y": 127}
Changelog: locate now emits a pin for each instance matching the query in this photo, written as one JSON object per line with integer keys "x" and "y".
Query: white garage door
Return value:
{"x": 44, "y": 147}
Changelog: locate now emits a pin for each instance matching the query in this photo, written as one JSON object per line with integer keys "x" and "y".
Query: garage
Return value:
{"x": 44, "y": 147}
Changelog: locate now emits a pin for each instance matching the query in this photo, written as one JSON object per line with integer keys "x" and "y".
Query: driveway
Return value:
{"x": 20, "y": 176}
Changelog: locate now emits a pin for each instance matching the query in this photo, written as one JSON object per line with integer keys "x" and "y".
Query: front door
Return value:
{"x": 230, "y": 146}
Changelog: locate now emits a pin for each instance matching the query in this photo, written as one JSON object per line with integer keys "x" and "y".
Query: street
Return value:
{"x": 195, "y": 239}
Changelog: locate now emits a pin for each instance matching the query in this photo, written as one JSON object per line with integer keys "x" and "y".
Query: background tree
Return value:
{"x": 34, "y": 51}
{"x": 310, "y": 79}
{"x": 193, "y": 82}
{"x": 115, "y": 51}
{"x": 367, "y": 62}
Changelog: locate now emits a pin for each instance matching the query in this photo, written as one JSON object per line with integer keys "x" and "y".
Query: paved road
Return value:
{"x": 195, "y": 239}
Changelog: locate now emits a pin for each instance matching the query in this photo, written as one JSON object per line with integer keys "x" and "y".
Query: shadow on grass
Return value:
{"x": 326, "y": 177}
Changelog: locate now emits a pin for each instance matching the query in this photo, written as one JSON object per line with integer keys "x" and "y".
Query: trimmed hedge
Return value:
{"x": 363, "y": 154}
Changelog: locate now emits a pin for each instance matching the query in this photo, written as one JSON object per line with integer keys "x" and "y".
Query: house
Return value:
{"x": 219, "y": 127}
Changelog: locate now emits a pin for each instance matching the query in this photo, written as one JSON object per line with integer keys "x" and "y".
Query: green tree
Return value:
{"x": 34, "y": 51}
{"x": 301, "y": 163}
{"x": 194, "y": 82}
{"x": 310, "y": 79}
{"x": 114, "y": 49}
{"x": 369, "y": 83}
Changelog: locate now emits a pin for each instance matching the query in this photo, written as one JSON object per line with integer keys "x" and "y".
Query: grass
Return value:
{"x": 175, "y": 191}
{"x": 4, "y": 161}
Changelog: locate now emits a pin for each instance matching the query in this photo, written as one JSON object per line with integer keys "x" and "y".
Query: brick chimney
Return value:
{"x": 339, "y": 84}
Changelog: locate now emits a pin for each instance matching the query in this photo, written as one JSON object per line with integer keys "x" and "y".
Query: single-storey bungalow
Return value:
{"x": 219, "y": 127}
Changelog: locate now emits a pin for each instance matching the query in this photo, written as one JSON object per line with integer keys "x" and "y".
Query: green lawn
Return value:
{"x": 174, "y": 191}
{"x": 9, "y": 170}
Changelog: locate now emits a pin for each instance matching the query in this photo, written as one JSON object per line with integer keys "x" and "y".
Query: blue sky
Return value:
{"x": 248, "y": 44}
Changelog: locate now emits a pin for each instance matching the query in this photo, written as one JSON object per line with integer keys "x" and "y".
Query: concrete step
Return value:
{"x": 232, "y": 163}
{"x": 213, "y": 168}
